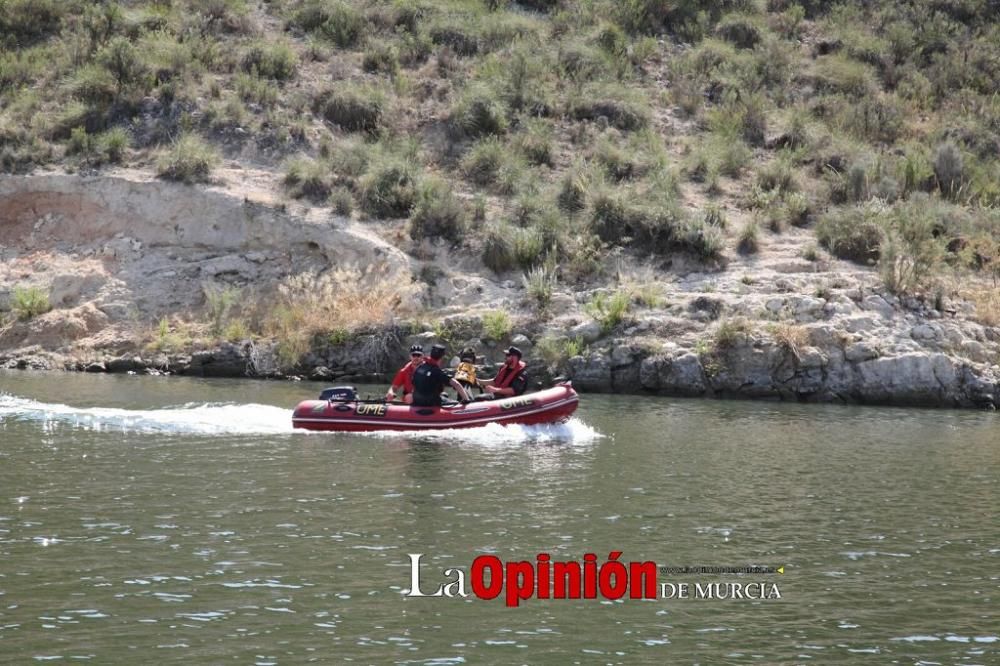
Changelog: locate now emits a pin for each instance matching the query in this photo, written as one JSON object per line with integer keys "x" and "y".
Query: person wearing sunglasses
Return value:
{"x": 403, "y": 381}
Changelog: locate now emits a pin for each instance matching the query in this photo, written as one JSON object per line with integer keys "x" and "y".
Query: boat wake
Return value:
{"x": 494, "y": 434}
{"x": 189, "y": 419}
{"x": 254, "y": 419}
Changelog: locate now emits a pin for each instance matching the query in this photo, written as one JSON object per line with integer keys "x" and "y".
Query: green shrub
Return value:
{"x": 389, "y": 190}
{"x": 498, "y": 250}
{"x": 622, "y": 163}
{"x": 740, "y": 116}
{"x": 553, "y": 350}
{"x": 911, "y": 249}
{"x": 731, "y": 332}
{"x": 381, "y": 57}
{"x": 497, "y": 325}
{"x": 29, "y": 302}
{"x": 949, "y": 168}
{"x": 483, "y": 162}
{"x": 540, "y": 283}
{"x": 414, "y": 49}
{"x": 274, "y": 61}
{"x": 535, "y": 142}
{"x": 94, "y": 85}
{"x": 506, "y": 31}
{"x": 739, "y": 30}
{"x": 527, "y": 246}
{"x": 875, "y": 118}
{"x": 189, "y": 160}
{"x": 337, "y": 21}
{"x": 79, "y": 142}
{"x": 123, "y": 62}
{"x": 355, "y": 108}
{"x": 748, "y": 241}
{"x": 479, "y": 112}
{"x": 915, "y": 172}
{"x": 342, "y": 201}
{"x": 438, "y": 212}
{"x": 705, "y": 241}
{"x": 838, "y": 73}
{"x": 609, "y": 311}
{"x": 687, "y": 19}
{"x": 854, "y": 233}
{"x": 24, "y": 21}
{"x": 579, "y": 62}
{"x": 652, "y": 225}
{"x": 461, "y": 39}
{"x": 776, "y": 176}
{"x": 715, "y": 216}
{"x": 220, "y": 302}
{"x": 797, "y": 208}
{"x": 252, "y": 88}
{"x": 622, "y": 108}
{"x": 572, "y": 196}
{"x": 307, "y": 178}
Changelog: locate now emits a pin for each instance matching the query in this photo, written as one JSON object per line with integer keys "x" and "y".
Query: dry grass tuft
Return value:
{"x": 789, "y": 336}
{"x": 349, "y": 298}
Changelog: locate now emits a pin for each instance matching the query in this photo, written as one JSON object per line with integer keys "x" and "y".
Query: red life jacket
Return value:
{"x": 507, "y": 375}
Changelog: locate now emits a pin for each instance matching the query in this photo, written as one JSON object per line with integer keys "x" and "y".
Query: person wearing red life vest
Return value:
{"x": 404, "y": 378}
{"x": 511, "y": 379}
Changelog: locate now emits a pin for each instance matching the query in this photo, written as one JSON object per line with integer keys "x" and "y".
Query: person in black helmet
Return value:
{"x": 429, "y": 380}
{"x": 404, "y": 378}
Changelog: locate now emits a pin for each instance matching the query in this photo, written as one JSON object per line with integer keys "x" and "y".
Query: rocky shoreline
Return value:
{"x": 114, "y": 252}
{"x": 834, "y": 369}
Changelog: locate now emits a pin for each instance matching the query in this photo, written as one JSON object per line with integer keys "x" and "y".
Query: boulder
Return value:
{"x": 588, "y": 331}
{"x": 860, "y": 351}
{"x": 649, "y": 373}
{"x": 924, "y": 332}
{"x": 878, "y": 304}
{"x": 592, "y": 373}
{"x": 908, "y": 379}
{"x": 682, "y": 375}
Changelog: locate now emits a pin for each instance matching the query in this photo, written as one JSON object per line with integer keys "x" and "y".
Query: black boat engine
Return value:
{"x": 339, "y": 394}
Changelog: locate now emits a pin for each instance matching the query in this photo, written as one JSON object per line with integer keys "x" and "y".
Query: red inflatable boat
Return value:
{"x": 339, "y": 409}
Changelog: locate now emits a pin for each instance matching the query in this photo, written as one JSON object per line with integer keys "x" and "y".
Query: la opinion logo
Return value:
{"x": 491, "y": 577}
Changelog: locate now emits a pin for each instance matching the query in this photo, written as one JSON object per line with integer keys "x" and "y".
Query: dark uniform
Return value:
{"x": 428, "y": 382}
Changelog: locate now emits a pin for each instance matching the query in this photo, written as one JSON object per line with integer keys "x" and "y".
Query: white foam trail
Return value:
{"x": 202, "y": 419}
{"x": 494, "y": 434}
{"x": 255, "y": 419}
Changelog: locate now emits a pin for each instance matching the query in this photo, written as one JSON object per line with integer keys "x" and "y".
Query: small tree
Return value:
{"x": 910, "y": 252}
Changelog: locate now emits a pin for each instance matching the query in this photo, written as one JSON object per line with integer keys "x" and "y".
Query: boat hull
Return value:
{"x": 554, "y": 405}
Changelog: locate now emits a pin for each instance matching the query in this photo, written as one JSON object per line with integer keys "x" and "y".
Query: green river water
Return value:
{"x": 173, "y": 520}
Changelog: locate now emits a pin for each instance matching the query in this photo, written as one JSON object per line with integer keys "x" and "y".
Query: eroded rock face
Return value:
{"x": 114, "y": 254}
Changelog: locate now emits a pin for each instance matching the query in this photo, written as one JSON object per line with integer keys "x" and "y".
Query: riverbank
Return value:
{"x": 752, "y": 364}
{"x": 116, "y": 255}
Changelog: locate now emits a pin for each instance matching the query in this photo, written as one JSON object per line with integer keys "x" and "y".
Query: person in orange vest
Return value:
{"x": 512, "y": 379}
{"x": 465, "y": 373}
{"x": 404, "y": 378}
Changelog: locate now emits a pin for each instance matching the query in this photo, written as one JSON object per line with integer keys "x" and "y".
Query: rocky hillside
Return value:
{"x": 783, "y": 199}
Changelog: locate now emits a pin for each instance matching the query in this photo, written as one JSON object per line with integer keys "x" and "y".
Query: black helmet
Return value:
{"x": 513, "y": 351}
{"x": 416, "y": 349}
{"x": 437, "y": 352}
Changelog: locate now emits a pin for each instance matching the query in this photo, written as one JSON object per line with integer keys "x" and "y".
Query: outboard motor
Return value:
{"x": 339, "y": 394}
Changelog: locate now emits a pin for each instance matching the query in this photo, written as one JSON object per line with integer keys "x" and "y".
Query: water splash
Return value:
{"x": 193, "y": 418}
{"x": 495, "y": 434}
{"x": 256, "y": 419}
